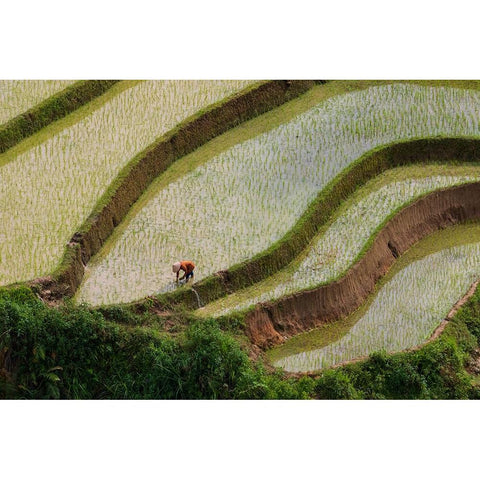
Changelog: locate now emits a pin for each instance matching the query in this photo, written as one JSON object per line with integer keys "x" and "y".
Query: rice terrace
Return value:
{"x": 239, "y": 239}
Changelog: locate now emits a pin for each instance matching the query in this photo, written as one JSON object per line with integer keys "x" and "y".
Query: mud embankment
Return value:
{"x": 52, "y": 109}
{"x": 437, "y": 332}
{"x": 145, "y": 167}
{"x": 270, "y": 323}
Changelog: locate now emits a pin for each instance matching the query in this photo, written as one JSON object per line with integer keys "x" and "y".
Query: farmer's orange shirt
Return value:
{"x": 187, "y": 266}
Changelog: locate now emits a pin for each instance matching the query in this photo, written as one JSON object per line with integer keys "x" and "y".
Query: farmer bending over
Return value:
{"x": 187, "y": 266}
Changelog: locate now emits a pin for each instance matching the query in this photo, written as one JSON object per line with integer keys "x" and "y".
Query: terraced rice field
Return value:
{"x": 406, "y": 309}
{"x": 340, "y": 243}
{"x": 54, "y": 185}
{"x": 17, "y": 96}
{"x": 237, "y": 203}
{"x": 248, "y": 197}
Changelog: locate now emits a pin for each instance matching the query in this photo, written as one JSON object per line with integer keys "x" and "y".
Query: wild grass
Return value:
{"x": 74, "y": 353}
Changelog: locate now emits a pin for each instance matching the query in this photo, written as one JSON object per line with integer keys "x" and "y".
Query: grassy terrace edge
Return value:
{"x": 137, "y": 175}
{"x": 50, "y": 110}
{"x": 284, "y": 251}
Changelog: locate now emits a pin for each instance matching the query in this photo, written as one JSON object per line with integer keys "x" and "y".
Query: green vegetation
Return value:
{"x": 144, "y": 352}
{"x": 73, "y": 352}
{"x": 76, "y": 353}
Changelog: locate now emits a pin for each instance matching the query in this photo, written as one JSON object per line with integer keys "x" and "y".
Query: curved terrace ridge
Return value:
{"x": 270, "y": 323}
{"x": 410, "y": 308}
{"x": 436, "y": 334}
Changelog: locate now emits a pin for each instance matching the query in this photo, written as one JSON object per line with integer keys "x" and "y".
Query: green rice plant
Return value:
{"x": 17, "y": 96}
{"x": 404, "y": 313}
{"x": 337, "y": 248}
{"x": 48, "y": 191}
{"x": 248, "y": 197}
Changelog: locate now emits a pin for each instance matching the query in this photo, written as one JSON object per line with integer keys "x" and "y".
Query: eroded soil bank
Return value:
{"x": 271, "y": 323}
{"x": 326, "y": 334}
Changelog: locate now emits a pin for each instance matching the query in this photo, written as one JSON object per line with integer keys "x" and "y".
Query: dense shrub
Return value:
{"x": 211, "y": 362}
{"x": 77, "y": 353}
{"x": 334, "y": 385}
{"x": 469, "y": 315}
{"x": 276, "y": 387}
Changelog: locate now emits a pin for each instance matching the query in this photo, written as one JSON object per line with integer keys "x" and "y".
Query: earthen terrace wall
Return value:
{"x": 271, "y": 322}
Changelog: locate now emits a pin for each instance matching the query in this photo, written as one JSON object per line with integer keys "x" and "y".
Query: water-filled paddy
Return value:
{"x": 340, "y": 243}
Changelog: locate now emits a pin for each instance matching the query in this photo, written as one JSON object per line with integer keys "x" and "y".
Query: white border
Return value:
{"x": 248, "y": 39}
{"x": 238, "y": 439}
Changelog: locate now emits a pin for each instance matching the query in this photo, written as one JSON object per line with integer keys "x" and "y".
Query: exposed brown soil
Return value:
{"x": 272, "y": 322}
{"x": 184, "y": 139}
{"x": 473, "y": 365}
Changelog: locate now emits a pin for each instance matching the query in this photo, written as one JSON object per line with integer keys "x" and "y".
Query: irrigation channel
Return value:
{"x": 404, "y": 311}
